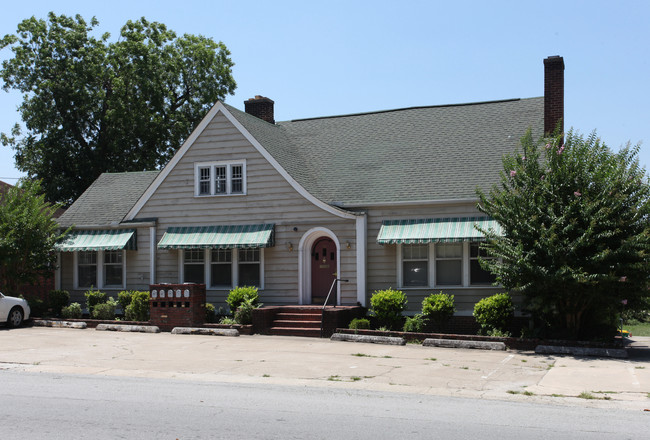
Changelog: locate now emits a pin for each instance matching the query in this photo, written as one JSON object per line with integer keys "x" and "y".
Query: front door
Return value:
{"x": 323, "y": 270}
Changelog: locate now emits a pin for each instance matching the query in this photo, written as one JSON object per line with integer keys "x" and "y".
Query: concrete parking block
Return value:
{"x": 456, "y": 343}
{"x": 387, "y": 340}
{"x": 59, "y": 324}
{"x": 205, "y": 331}
{"x": 128, "y": 328}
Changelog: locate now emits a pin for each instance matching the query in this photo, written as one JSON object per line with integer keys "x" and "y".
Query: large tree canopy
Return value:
{"x": 576, "y": 242}
{"x": 28, "y": 235}
{"x": 91, "y": 105}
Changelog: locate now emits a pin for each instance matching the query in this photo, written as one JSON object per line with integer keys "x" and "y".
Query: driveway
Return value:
{"x": 279, "y": 360}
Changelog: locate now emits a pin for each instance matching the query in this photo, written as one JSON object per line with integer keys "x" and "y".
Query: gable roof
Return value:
{"x": 108, "y": 199}
{"x": 404, "y": 155}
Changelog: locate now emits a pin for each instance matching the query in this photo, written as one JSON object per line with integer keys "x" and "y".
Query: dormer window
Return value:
{"x": 220, "y": 178}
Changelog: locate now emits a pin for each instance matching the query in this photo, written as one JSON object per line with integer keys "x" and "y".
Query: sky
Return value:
{"x": 337, "y": 57}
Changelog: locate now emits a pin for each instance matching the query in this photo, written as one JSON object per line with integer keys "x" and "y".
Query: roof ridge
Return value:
{"x": 418, "y": 107}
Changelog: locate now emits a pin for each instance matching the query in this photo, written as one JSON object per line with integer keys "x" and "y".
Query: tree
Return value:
{"x": 92, "y": 106}
{"x": 576, "y": 231}
{"x": 28, "y": 235}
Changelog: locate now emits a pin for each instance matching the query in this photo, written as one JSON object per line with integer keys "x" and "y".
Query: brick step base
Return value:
{"x": 294, "y": 316}
{"x": 296, "y": 324}
{"x": 290, "y": 331}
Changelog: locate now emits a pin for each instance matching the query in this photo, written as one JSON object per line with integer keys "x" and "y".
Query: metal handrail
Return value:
{"x": 327, "y": 300}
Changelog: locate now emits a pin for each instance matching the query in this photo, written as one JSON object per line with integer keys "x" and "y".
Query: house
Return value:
{"x": 379, "y": 199}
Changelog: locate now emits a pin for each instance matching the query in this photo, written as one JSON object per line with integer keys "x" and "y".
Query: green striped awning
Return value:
{"x": 99, "y": 240}
{"x": 435, "y": 230}
{"x": 218, "y": 237}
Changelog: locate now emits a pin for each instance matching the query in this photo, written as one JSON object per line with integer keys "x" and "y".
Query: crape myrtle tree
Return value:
{"x": 576, "y": 232}
{"x": 28, "y": 235}
{"x": 91, "y": 105}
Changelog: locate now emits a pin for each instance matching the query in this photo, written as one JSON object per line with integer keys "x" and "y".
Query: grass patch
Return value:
{"x": 464, "y": 368}
{"x": 431, "y": 359}
{"x": 528, "y": 393}
{"x": 387, "y": 357}
{"x": 266, "y": 375}
{"x": 524, "y": 360}
{"x": 513, "y": 392}
{"x": 557, "y": 395}
{"x": 335, "y": 378}
{"x": 586, "y": 395}
{"x": 361, "y": 355}
{"x": 640, "y": 368}
{"x": 640, "y": 329}
{"x": 414, "y": 341}
{"x": 355, "y": 378}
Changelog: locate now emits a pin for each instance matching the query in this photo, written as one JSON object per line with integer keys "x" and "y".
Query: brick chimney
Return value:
{"x": 553, "y": 93}
{"x": 260, "y": 107}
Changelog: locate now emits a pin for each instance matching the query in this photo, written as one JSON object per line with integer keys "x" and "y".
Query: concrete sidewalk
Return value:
{"x": 512, "y": 375}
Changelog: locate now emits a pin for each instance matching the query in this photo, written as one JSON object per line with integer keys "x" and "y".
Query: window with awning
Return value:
{"x": 438, "y": 230}
{"x": 218, "y": 237}
{"x": 99, "y": 240}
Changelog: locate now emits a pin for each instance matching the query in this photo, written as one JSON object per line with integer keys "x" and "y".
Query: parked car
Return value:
{"x": 13, "y": 310}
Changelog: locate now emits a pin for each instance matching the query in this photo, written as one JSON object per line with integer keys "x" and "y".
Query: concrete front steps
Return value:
{"x": 303, "y": 320}
{"x": 298, "y": 321}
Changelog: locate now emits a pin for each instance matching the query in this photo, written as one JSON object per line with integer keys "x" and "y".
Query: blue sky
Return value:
{"x": 336, "y": 57}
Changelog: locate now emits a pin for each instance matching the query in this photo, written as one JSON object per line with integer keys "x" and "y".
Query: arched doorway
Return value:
{"x": 323, "y": 270}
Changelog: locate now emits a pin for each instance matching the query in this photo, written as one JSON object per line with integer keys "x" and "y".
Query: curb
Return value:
{"x": 619, "y": 353}
{"x": 59, "y": 324}
{"x": 127, "y": 328}
{"x": 386, "y": 340}
{"x": 205, "y": 331}
{"x": 454, "y": 343}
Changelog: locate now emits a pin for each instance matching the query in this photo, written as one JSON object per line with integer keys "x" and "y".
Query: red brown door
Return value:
{"x": 323, "y": 270}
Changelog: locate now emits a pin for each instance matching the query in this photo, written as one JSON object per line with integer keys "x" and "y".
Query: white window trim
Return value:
{"x": 213, "y": 165}
{"x": 100, "y": 272}
{"x": 207, "y": 261}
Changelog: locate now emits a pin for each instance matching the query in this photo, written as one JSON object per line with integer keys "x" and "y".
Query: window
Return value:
{"x": 221, "y": 268}
{"x": 415, "y": 263}
{"x": 113, "y": 269}
{"x": 220, "y": 178}
{"x": 194, "y": 266}
{"x": 87, "y": 269}
{"x": 249, "y": 267}
{"x": 478, "y": 275}
{"x": 100, "y": 269}
{"x": 449, "y": 264}
{"x": 204, "y": 181}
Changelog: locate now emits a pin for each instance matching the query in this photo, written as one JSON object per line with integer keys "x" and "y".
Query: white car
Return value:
{"x": 13, "y": 310}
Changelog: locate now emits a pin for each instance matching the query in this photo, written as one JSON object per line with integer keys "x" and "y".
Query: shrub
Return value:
{"x": 73, "y": 311}
{"x": 438, "y": 308}
{"x": 388, "y": 305}
{"x": 209, "y": 313}
{"x": 105, "y": 310}
{"x": 227, "y": 320}
{"x": 138, "y": 309}
{"x": 244, "y": 313}
{"x": 124, "y": 299}
{"x": 359, "y": 324}
{"x": 494, "y": 313}
{"x": 414, "y": 324}
{"x": 94, "y": 297}
{"x": 37, "y": 306}
{"x": 240, "y": 294}
{"x": 58, "y": 299}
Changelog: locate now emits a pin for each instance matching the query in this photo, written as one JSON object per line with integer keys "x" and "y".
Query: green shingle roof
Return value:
{"x": 108, "y": 199}
{"x": 412, "y": 154}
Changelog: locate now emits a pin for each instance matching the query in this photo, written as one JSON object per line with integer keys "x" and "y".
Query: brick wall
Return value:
{"x": 176, "y": 305}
